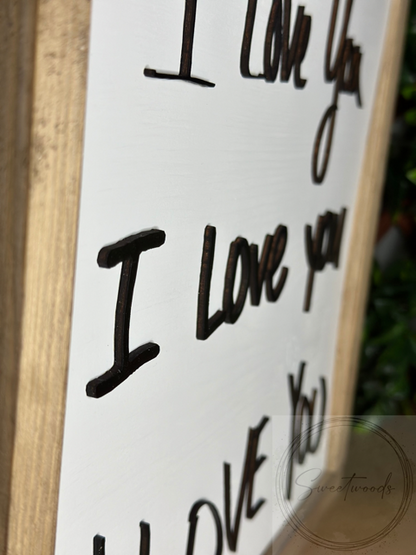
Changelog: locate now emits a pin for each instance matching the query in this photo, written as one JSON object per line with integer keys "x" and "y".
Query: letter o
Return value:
{"x": 193, "y": 521}
{"x": 238, "y": 249}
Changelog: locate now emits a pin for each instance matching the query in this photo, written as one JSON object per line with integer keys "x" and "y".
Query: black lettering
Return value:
{"x": 273, "y": 40}
{"x": 251, "y": 465}
{"x": 277, "y": 43}
{"x": 312, "y": 447}
{"x": 276, "y": 254}
{"x": 253, "y": 274}
{"x": 239, "y": 249}
{"x": 254, "y": 465}
{"x": 186, "y": 53}
{"x": 328, "y": 121}
{"x": 144, "y": 538}
{"x": 98, "y": 545}
{"x": 290, "y": 47}
{"x": 127, "y": 251}
{"x": 301, "y": 405}
{"x": 307, "y": 405}
{"x": 305, "y": 33}
{"x": 345, "y": 71}
{"x": 247, "y": 38}
{"x": 323, "y": 247}
{"x": 337, "y": 229}
{"x": 332, "y": 70}
{"x": 193, "y": 521}
{"x": 99, "y": 541}
{"x": 294, "y": 390}
{"x": 205, "y": 326}
{"x": 258, "y": 270}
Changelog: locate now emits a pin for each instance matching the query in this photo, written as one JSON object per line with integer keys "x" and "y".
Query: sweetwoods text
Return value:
{"x": 284, "y": 53}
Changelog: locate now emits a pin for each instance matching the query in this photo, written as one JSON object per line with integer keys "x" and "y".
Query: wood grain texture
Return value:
{"x": 17, "y": 23}
{"x": 51, "y": 194}
{"x": 366, "y": 213}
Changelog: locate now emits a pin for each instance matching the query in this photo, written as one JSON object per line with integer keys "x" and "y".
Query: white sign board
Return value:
{"x": 181, "y": 181}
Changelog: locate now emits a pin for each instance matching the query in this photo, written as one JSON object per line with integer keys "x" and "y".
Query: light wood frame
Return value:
{"x": 43, "y": 62}
{"x": 366, "y": 214}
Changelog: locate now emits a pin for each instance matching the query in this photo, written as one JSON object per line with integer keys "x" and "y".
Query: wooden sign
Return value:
{"x": 231, "y": 169}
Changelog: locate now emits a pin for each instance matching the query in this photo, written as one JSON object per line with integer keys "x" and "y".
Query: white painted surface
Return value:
{"x": 177, "y": 156}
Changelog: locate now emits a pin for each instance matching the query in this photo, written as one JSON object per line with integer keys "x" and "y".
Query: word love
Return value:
{"x": 303, "y": 409}
{"x": 278, "y": 48}
{"x": 254, "y": 273}
{"x": 285, "y": 51}
{"x": 278, "y": 45}
{"x": 323, "y": 247}
{"x": 252, "y": 464}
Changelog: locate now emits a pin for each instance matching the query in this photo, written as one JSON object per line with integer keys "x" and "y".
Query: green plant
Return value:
{"x": 387, "y": 377}
{"x": 388, "y": 357}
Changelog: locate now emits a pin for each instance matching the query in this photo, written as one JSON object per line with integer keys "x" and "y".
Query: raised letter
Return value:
{"x": 275, "y": 258}
{"x": 247, "y": 38}
{"x": 99, "y": 541}
{"x": 206, "y": 326}
{"x": 127, "y": 251}
{"x": 289, "y": 52}
{"x": 273, "y": 35}
{"x": 251, "y": 465}
{"x": 186, "y": 54}
{"x": 258, "y": 269}
{"x": 345, "y": 71}
{"x": 300, "y": 442}
{"x": 323, "y": 248}
{"x": 238, "y": 249}
{"x": 193, "y": 521}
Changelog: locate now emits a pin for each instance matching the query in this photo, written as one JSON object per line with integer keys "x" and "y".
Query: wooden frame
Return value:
{"x": 367, "y": 209}
{"x": 43, "y": 58}
{"x": 45, "y": 61}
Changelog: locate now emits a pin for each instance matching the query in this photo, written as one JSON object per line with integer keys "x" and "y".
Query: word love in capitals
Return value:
{"x": 252, "y": 464}
{"x": 322, "y": 248}
{"x": 302, "y": 406}
{"x": 284, "y": 51}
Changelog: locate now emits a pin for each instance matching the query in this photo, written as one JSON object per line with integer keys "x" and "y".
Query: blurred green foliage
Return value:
{"x": 388, "y": 357}
{"x": 400, "y": 191}
{"x": 387, "y": 377}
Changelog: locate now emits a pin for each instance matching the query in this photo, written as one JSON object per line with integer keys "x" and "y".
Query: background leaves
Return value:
{"x": 387, "y": 376}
